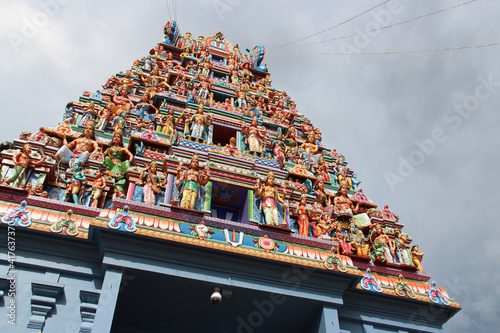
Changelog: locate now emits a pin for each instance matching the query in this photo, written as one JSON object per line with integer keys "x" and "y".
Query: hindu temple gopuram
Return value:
{"x": 189, "y": 194}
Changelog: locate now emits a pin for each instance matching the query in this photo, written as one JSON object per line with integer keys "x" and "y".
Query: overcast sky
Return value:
{"x": 419, "y": 129}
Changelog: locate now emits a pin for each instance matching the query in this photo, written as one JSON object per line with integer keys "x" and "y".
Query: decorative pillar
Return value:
{"x": 208, "y": 197}
{"x": 286, "y": 212}
{"x": 168, "y": 191}
{"x": 130, "y": 191}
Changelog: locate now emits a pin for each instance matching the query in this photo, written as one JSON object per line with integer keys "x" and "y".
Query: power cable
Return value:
{"x": 385, "y": 27}
{"x": 335, "y": 26}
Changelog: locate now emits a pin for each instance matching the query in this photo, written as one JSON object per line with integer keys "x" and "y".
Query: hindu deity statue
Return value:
{"x": 193, "y": 179}
{"x": 270, "y": 198}
{"x": 22, "y": 161}
{"x": 417, "y": 258}
{"x": 254, "y": 138}
{"x": 114, "y": 155}
{"x": 98, "y": 186}
{"x": 152, "y": 183}
{"x": 199, "y": 124}
{"x": 78, "y": 149}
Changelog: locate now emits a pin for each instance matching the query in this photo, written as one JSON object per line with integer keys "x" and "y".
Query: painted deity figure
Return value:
{"x": 344, "y": 179}
{"x": 292, "y": 147}
{"x": 232, "y": 149}
{"x": 193, "y": 179}
{"x": 403, "y": 253}
{"x": 168, "y": 125}
{"x": 344, "y": 246}
{"x": 343, "y": 206}
{"x": 279, "y": 149}
{"x": 105, "y": 115}
{"x": 204, "y": 87}
{"x": 324, "y": 227}
{"x": 358, "y": 241}
{"x": 323, "y": 201}
{"x": 151, "y": 181}
{"x": 306, "y": 128}
{"x": 91, "y": 113}
{"x": 342, "y": 203}
{"x": 383, "y": 241}
{"x": 270, "y": 198}
{"x": 417, "y": 258}
{"x": 98, "y": 186}
{"x": 69, "y": 113}
{"x": 79, "y": 148}
{"x": 122, "y": 101}
{"x": 75, "y": 184}
{"x": 254, "y": 137}
{"x": 37, "y": 190}
{"x": 200, "y": 123}
{"x": 304, "y": 214}
{"x": 147, "y": 111}
{"x": 22, "y": 161}
{"x": 114, "y": 155}
{"x": 322, "y": 170}
{"x": 309, "y": 150}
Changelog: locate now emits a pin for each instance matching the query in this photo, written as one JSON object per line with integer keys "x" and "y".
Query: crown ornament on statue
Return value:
{"x": 90, "y": 124}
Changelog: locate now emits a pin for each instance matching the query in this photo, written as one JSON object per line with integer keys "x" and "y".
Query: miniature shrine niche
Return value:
{"x": 196, "y": 125}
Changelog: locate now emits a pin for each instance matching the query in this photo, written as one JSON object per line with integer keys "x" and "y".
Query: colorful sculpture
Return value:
{"x": 199, "y": 124}
{"x": 152, "y": 183}
{"x": 193, "y": 179}
{"x": 250, "y": 116}
{"x": 79, "y": 148}
{"x": 304, "y": 214}
{"x": 22, "y": 161}
{"x": 254, "y": 137}
{"x": 65, "y": 221}
{"x": 75, "y": 184}
{"x": 269, "y": 202}
{"x": 113, "y": 156}
{"x": 417, "y": 258}
{"x": 98, "y": 186}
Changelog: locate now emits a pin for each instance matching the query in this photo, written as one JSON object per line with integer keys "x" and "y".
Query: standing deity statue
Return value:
{"x": 199, "y": 124}
{"x": 75, "y": 184}
{"x": 305, "y": 214}
{"x": 152, "y": 183}
{"x": 114, "y": 155}
{"x": 193, "y": 179}
{"x": 254, "y": 138}
{"x": 270, "y": 198}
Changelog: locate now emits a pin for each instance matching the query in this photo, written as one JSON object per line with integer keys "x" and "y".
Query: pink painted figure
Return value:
{"x": 344, "y": 246}
{"x": 152, "y": 183}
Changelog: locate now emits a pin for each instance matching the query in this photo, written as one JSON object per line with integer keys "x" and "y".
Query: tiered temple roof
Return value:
{"x": 195, "y": 145}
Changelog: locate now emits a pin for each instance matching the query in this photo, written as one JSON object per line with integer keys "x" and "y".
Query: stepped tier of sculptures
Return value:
{"x": 197, "y": 124}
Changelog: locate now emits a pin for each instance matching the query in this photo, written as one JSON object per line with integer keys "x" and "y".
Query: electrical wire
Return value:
{"x": 335, "y": 26}
{"x": 392, "y": 52}
{"x": 385, "y": 27}
{"x": 169, "y": 14}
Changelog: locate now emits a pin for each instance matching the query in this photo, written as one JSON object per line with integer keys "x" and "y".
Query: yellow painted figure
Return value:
{"x": 193, "y": 179}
